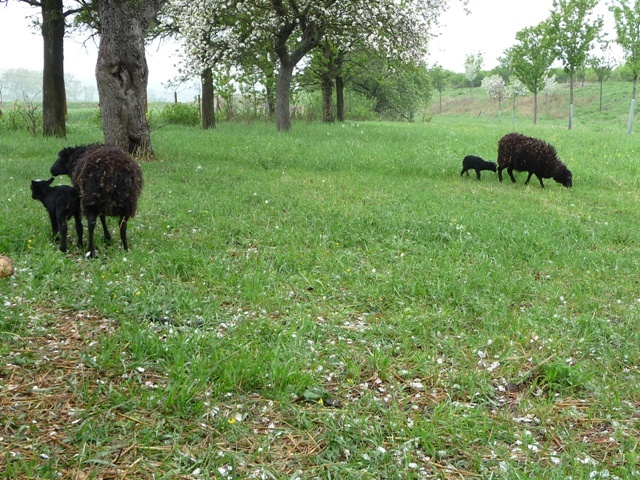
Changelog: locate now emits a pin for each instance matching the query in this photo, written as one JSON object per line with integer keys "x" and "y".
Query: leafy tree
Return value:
{"x": 325, "y": 66}
{"x": 290, "y": 30}
{"x": 574, "y": 31}
{"x": 439, "y": 81}
{"x": 530, "y": 59}
{"x": 122, "y": 74}
{"x": 472, "y": 66}
{"x": 549, "y": 86}
{"x": 627, "y": 20}
{"x": 496, "y": 88}
{"x": 602, "y": 65}
{"x": 397, "y": 88}
{"x": 516, "y": 89}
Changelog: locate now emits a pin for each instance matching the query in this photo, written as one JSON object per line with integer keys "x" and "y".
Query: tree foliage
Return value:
{"x": 531, "y": 58}
{"x": 602, "y": 65}
{"x": 219, "y": 30}
{"x": 496, "y": 88}
{"x": 472, "y": 65}
{"x": 439, "y": 81}
{"x": 398, "y": 88}
{"x": 574, "y": 29}
{"x": 627, "y": 19}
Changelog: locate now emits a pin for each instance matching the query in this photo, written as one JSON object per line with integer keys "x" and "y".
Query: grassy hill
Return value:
{"x": 616, "y": 98}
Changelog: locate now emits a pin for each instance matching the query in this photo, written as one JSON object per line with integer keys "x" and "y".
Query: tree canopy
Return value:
{"x": 531, "y": 58}
{"x": 574, "y": 29}
{"x": 217, "y": 30}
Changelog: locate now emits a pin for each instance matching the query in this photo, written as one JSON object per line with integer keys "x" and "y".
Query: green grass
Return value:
{"x": 331, "y": 302}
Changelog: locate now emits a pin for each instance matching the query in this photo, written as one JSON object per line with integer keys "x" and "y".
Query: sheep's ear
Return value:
{"x": 50, "y": 181}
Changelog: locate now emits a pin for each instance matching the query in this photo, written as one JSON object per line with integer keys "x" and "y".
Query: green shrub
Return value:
{"x": 181, "y": 114}
{"x": 22, "y": 117}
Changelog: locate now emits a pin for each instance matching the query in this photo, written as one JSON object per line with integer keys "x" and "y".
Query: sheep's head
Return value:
{"x": 493, "y": 166}
{"x": 563, "y": 175}
{"x": 40, "y": 188}
{"x": 67, "y": 159}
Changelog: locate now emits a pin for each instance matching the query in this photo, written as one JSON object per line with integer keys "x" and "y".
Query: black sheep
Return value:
{"x": 109, "y": 182}
{"x": 526, "y": 154}
{"x": 472, "y": 162}
{"x": 67, "y": 159}
{"x": 62, "y": 202}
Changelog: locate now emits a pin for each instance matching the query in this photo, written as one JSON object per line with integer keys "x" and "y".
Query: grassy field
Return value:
{"x": 333, "y": 302}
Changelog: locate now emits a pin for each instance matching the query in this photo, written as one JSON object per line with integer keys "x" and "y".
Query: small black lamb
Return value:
{"x": 109, "y": 182}
{"x": 62, "y": 202}
{"x": 472, "y": 162}
{"x": 526, "y": 154}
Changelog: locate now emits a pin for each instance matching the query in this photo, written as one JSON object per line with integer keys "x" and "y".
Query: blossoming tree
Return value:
{"x": 238, "y": 29}
{"x": 496, "y": 88}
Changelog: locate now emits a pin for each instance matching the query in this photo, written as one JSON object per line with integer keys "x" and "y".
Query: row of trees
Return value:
{"x": 16, "y": 84}
{"x": 568, "y": 35}
{"x": 269, "y": 39}
{"x": 333, "y": 43}
{"x": 266, "y": 39}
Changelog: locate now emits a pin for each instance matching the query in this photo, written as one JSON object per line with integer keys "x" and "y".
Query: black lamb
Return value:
{"x": 62, "y": 202}
{"x": 109, "y": 182}
{"x": 526, "y": 154}
{"x": 472, "y": 162}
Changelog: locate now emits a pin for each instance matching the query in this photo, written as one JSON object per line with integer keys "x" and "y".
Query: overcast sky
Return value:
{"x": 490, "y": 28}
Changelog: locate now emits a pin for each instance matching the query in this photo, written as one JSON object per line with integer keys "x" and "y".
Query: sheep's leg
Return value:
{"x": 54, "y": 225}
{"x": 78, "y": 220}
{"x": 107, "y": 235}
{"x": 62, "y": 228}
{"x": 463, "y": 170}
{"x": 528, "y": 178}
{"x": 510, "y": 172}
{"x": 541, "y": 184}
{"x": 123, "y": 233}
{"x": 478, "y": 173}
{"x": 500, "y": 173}
{"x": 91, "y": 221}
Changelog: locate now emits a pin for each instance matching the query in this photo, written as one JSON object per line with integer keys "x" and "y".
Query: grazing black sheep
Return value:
{"x": 62, "y": 202}
{"x": 109, "y": 182}
{"x": 526, "y": 154}
{"x": 471, "y": 162}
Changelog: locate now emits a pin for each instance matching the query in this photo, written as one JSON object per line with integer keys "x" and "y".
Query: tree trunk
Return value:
{"x": 340, "y": 98}
{"x": 601, "y": 82}
{"x": 283, "y": 92}
{"x": 53, "y": 89}
{"x": 208, "y": 113}
{"x": 535, "y": 107}
{"x": 327, "y": 100}
{"x": 271, "y": 101}
{"x": 122, "y": 74}
{"x": 571, "y": 78}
